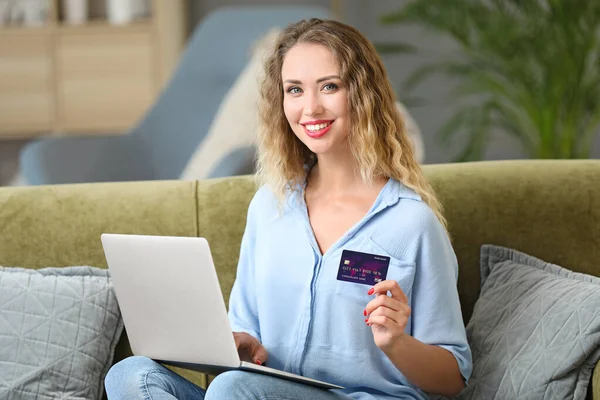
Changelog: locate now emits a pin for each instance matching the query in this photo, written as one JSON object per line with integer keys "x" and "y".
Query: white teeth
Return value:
{"x": 317, "y": 127}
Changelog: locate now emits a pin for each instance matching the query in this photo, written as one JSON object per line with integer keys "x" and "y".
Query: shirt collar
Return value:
{"x": 394, "y": 190}
{"x": 391, "y": 193}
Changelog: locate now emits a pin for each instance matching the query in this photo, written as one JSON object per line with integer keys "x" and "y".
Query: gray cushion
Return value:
{"x": 58, "y": 331}
{"x": 535, "y": 329}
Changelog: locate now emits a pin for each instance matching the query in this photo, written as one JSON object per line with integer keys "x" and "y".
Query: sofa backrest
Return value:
{"x": 60, "y": 225}
{"x": 222, "y": 209}
{"x": 549, "y": 209}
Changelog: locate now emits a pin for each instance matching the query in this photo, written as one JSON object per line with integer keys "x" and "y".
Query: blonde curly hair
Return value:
{"x": 377, "y": 137}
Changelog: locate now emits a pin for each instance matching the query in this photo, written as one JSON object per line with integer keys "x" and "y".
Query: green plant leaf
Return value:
{"x": 449, "y": 68}
{"x": 394, "y": 48}
{"x": 413, "y": 101}
{"x": 452, "y": 127}
{"x": 530, "y": 69}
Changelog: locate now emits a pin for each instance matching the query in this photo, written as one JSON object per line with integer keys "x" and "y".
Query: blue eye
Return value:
{"x": 294, "y": 90}
{"x": 330, "y": 86}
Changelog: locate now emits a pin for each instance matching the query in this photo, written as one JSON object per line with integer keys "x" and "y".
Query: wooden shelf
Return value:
{"x": 86, "y": 79}
{"x": 27, "y": 30}
{"x": 103, "y": 26}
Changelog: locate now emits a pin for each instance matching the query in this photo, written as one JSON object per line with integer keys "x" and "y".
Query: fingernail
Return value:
{"x": 258, "y": 361}
{"x": 365, "y": 313}
{"x": 366, "y": 319}
{"x": 370, "y": 292}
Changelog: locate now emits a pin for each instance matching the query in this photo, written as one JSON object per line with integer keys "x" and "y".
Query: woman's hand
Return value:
{"x": 250, "y": 349}
{"x": 387, "y": 315}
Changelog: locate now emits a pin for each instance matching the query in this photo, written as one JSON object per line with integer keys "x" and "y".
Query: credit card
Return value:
{"x": 364, "y": 268}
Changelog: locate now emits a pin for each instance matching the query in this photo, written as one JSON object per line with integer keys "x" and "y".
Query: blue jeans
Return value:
{"x": 142, "y": 378}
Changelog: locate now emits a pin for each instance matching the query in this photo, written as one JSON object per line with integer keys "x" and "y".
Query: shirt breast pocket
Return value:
{"x": 399, "y": 270}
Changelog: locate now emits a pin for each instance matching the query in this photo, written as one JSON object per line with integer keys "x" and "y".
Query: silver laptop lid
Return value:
{"x": 170, "y": 299}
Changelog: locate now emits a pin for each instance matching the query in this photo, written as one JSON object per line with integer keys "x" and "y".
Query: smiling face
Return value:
{"x": 315, "y": 100}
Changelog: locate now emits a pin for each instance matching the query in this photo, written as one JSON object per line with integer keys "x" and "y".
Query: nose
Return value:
{"x": 313, "y": 105}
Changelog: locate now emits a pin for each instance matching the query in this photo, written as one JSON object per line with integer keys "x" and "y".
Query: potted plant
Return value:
{"x": 527, "y": 68}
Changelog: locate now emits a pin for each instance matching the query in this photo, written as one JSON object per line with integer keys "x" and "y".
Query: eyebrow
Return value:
{"x": 325, "y": 78}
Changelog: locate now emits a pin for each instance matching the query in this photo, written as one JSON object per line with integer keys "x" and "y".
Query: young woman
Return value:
{"x": 346, "y": 272}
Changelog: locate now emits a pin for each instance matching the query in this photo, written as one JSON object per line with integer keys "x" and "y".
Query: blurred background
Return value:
{"x": 115, "y": 90}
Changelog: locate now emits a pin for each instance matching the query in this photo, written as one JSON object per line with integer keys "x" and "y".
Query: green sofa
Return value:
{"x": 549, "y": 209}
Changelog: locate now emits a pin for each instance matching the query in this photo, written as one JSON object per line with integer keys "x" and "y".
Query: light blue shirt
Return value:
{"x": 287, "y": 295}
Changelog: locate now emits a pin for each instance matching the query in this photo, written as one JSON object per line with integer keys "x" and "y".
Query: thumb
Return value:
{"x": 260, "y": 355}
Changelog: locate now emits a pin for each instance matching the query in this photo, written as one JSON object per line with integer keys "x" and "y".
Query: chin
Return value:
{"x": 322, "y": 151}
{"x": 324, "y": 147}
{"x": 318, "y": 147}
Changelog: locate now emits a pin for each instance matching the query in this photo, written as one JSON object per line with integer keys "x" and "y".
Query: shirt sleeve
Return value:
{"x": 243, "y": 312}
{"x": 435, "y": 309}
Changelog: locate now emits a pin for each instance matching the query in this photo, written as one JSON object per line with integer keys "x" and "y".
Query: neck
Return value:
{"x": 335, "y": 173}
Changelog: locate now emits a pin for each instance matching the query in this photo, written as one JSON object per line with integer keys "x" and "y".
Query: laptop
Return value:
{"x": 172, "y": 305}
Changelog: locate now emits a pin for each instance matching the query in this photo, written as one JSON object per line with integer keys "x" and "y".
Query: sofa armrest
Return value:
{"x": 85, "y": 159}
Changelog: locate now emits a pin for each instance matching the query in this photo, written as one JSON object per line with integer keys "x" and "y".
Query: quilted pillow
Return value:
{"x": 58, "y": 332}
{"x": 535, "y": 329}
